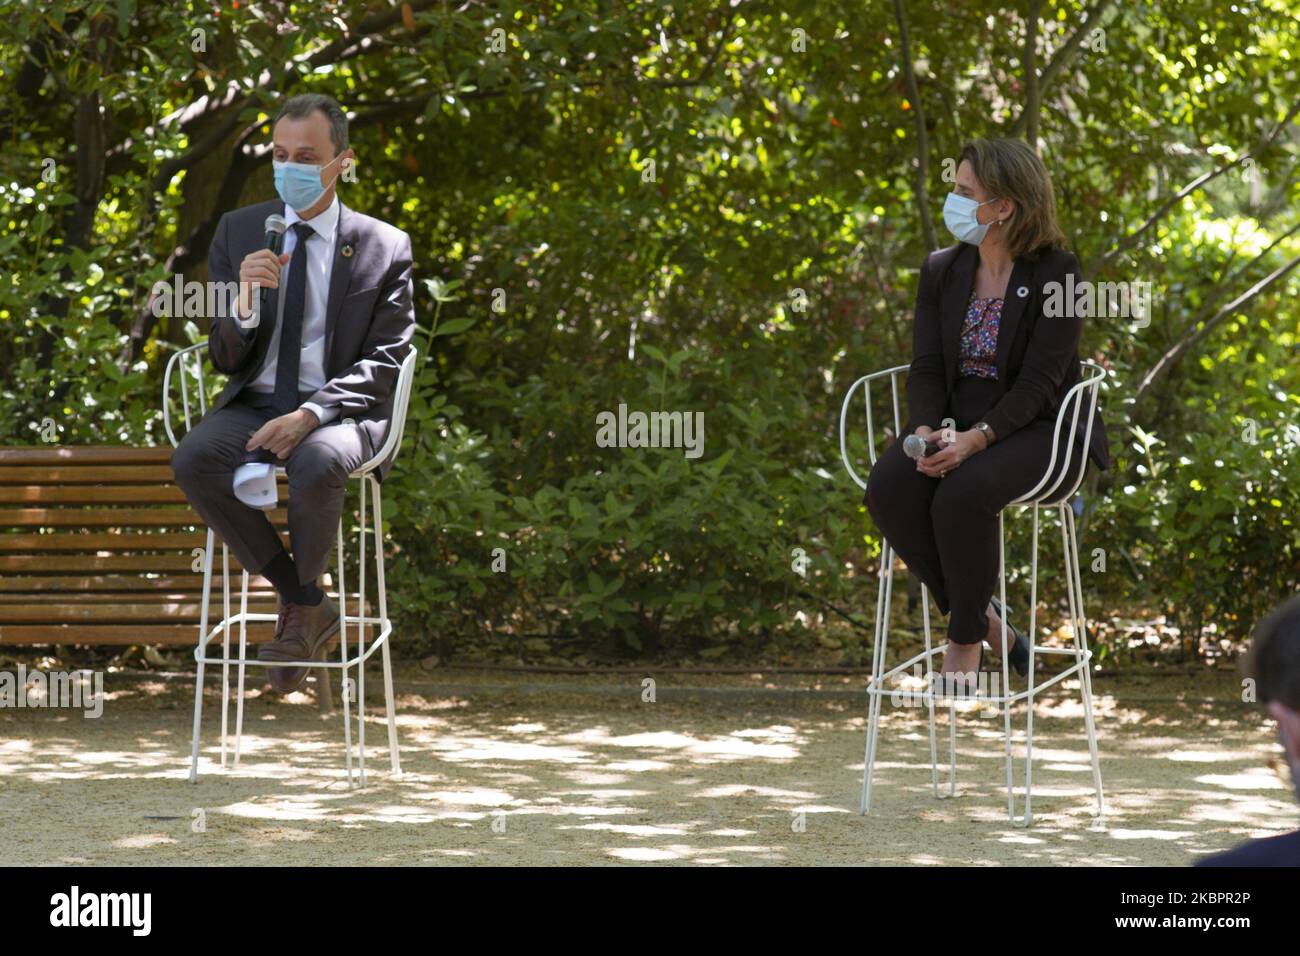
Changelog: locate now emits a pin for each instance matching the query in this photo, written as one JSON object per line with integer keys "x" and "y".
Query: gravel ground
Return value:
{"x": 722, "y": 770}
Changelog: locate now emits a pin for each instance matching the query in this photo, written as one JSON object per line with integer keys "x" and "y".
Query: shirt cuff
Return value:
{"x": 250, "y": 321}
{"x": 325, "y": 414}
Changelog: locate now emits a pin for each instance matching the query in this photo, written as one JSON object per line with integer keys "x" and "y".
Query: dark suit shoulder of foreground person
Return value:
{"x": 1281, "y": 850}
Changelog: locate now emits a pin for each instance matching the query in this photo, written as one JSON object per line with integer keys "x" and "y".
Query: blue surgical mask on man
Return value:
{"x": 299, "y": 184}
{"x": 959, "y": 217}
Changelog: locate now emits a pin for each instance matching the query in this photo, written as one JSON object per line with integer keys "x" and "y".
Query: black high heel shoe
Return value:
{"x": 1019, "y": 654}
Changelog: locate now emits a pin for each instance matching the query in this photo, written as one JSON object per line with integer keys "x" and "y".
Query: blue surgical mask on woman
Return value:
{"x": 299, "y": 183}
{"x": 959, "y": 217}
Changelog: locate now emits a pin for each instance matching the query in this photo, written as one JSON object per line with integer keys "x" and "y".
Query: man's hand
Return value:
{"x": 281, "y": 436}
{"x": 260, "y": 269}
{"x": 956, "y": 449}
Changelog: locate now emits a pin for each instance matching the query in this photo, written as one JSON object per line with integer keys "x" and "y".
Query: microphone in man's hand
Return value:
{"x": 914, "y": 446}
{"x": 275, "y": 227}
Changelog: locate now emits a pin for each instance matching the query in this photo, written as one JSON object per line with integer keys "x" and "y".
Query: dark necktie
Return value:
{"x": 295, "y": 304}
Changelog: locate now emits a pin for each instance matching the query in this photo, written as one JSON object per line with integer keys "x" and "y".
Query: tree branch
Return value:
{"x": 922, "y": 137}
{"x": 1057, "y": 63}
{"x": 1131, "y": 239}
{"x": 1033, "y": 92}
{"x": 1179, "y": 350}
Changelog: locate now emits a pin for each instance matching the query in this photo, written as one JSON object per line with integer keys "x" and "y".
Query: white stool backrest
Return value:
{"x": 187, "y": 366}
{"x": 864, "y": 383}
{"x": 1067, "y": 482}
{"x": 1085, "y": 392}
{"x": 188, "y": 362}
{"x": 401, "y": 402}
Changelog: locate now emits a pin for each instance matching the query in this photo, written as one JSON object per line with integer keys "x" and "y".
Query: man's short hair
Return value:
{"x": 304, "y": 104}
{"x": 1273, "y": 660}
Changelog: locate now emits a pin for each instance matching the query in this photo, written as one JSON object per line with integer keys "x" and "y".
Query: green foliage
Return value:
{"x": 680, "y": 207}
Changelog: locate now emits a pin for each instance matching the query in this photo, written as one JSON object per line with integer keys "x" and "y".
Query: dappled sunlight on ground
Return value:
{"x": 563, "y": 778}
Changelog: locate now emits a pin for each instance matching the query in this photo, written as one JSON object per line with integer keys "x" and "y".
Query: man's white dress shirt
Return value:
{"x": 320, "y": 263}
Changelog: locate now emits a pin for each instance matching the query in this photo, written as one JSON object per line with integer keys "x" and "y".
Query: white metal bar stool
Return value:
{"x": 1056, "y": 496}
{"x": 188, "y": 363}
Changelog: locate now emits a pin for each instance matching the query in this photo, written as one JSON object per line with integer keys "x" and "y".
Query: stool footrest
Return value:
{"x": 386, "y": 629}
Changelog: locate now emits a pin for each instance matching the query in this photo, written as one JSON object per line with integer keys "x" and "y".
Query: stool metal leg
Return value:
{"x": 225, "y": 646}
{"x": 343, "y": 652}
{"x": 361, "y": 633}
{"x": 384, "y": 623}
{"x": 243, "y": 656}
{"x": 201, "y": 653}
{"x": 929, "y": 697}
{"x": 877, "y": 669}
{"x": 952, "y": 748}
{"x": 1032, "y": 675}
{"x": 1079, "y": 625}
{"x": 1029, "y": 698}
{"x": 1006, "y": 708}
{"x": 952, "y": 711}
{"x": 225, "y": 649}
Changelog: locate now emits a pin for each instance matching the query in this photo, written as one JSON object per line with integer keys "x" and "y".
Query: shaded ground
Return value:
{"x": 581, "y": 771}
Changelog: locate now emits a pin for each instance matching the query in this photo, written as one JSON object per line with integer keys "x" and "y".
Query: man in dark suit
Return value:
{"x": 312, "y": 369}
{"x": 1273, "y": 664}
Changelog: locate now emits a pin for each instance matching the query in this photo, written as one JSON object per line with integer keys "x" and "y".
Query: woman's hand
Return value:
{"x": 961, "y": 446}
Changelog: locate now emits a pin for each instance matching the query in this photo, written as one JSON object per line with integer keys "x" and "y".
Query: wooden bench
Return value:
{"x": 98, "y": 546}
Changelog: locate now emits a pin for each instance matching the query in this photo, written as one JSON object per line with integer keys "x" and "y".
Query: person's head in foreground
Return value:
{"x": 1273, "y": 665}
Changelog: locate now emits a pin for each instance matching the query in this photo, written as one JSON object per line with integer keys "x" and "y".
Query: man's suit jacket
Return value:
{"x": 1037, "y": 354}
{"x": 369, "y": 315}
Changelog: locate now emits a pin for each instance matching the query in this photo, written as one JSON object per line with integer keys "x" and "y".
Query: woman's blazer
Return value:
{"x": 1037, "y": 356}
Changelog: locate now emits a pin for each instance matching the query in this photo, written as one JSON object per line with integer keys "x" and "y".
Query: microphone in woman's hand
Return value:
{"x": 914, "y": 446}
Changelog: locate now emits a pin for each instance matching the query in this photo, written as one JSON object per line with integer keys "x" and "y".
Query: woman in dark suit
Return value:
{"x": 990, "y": 369}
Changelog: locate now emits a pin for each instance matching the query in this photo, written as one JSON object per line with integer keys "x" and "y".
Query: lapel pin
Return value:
{"x": 346, "y": 251}
{"x": 1023, "y": 291}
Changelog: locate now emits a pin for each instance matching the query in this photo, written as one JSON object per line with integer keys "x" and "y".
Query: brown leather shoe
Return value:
{"x": 306, "y": 629}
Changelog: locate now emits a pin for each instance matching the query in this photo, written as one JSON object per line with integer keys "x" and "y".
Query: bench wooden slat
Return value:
{"x": 92, "y": 494}
{"x": 110, "y": 517}
{"x": 85, "y": 454}
{"x": 65, "y": 473}
{"x": 96, "y": 517}
{"x": 14, "y": 588}
{"x": 79, "y": 563}
{"x": 92, "y": 613}
{"x": 121, "y": 634}
{"x": 164, "y": 608}
{"x": 175, "y": 635}
{"x": 61, "y": 604}
{"x": 102, "y": 541}
{"x": 143, "y": 563}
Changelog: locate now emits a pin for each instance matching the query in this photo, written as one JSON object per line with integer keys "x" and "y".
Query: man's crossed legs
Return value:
{"x": 204, "y": 464}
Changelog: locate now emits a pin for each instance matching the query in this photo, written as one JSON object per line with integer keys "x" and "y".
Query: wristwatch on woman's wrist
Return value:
{"x": 988, "y": 432}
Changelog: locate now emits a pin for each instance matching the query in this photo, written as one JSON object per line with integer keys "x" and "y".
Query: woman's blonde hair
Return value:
{"x": 1009, "y": 169}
